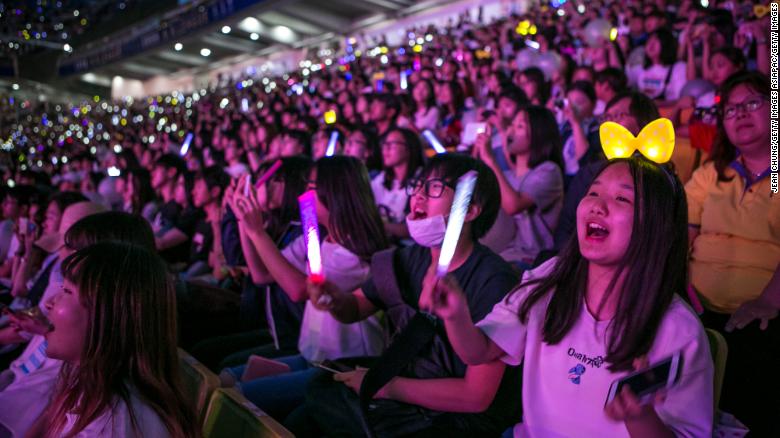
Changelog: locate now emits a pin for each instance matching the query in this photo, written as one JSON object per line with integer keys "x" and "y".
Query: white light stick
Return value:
{"x": 244, "y": 105}
{"x": 334, "y": 137}
{"x": 460, "y": 205}
{"x": 307, "y": 203}
{"x": 532, "y": 44}
{"x": 186, "y": 145}
{"x": 114, "y": 171}
{"x": 404, "y": 84}
{"x": 435, "y": 143}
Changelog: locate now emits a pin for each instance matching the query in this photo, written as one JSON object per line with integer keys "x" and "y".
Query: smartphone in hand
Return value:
{"x": 644, "y": 383}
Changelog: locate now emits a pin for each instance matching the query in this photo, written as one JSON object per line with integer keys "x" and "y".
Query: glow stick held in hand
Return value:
{"x": 186, "y": 145}
{"x": 311, "y": 234}
{"x": 460, "y": 206}
{"x": 435, "y": 143}
{"x": 334, "y": 138}
{"x": 269, "y": 173}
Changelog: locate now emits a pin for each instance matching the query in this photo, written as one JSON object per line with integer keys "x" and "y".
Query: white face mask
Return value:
{"x": 428, "y": 232}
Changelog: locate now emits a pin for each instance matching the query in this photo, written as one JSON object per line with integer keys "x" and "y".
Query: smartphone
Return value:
{"x": 644, "y": 383}
{"x": 333, "y": 366}
{"x": 247, "y": 185}
{"x": 472, "y": 130}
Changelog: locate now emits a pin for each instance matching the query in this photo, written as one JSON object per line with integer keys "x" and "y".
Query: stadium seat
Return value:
{"x": 719, "y": 350}
{"x": 231, "y": 415}
{"x": 199, "y": 382}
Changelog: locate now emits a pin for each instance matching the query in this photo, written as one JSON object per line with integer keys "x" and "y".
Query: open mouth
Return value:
{"x": 596, "y": 231}
{"x": 418, "y": 214}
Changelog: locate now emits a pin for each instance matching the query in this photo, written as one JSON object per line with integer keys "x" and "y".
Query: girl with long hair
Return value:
{"x": 426, "y": 114}
{"x": 532, "y": 190}
{"x": 138, "y": 195}
{"x": 401, "y": 160}
{"x": 607, "y": 306}
{"x": 347, "y": 213}
{"x": 661, "y": 77}
{"x": 114, "y": 327}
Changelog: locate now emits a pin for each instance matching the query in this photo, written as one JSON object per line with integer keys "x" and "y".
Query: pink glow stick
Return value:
{"x": 308, "y": 206}
{"x": 269, "y": 173}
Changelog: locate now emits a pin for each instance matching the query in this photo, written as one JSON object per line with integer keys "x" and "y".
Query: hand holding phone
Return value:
{"x": 645, "y": 382}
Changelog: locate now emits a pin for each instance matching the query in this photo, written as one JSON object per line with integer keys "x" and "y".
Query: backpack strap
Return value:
{"x": 383, "y": 273}
{"x": 419, "y": 331}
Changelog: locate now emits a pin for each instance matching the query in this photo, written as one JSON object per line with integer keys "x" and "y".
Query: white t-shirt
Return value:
{"x": 427, "y": 119}
{"x": 322, "y": 336}
{"x": 391, "y": 203}
{"x": 565, "y": 386}
{"x": 32, "y": 378}
{"x": 117, "y": 422}
{"x": 651, "y": 81}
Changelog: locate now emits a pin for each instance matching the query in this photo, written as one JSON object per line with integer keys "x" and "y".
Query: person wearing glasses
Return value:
{"x": 531, "y": 191}
{"x": 447, "y": 396}
{"x": 401, "y": 160}
{"x": 734, "y": 231}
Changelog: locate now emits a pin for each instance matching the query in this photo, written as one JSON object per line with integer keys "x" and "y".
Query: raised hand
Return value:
{"x": 753, "y": 310}
{"x": 443, "y": 296}
{"x": 248, "y": 211}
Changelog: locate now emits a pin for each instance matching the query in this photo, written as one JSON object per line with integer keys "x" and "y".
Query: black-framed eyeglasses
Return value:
{"x": 748, "y": 105}
{"x": 434, "y": 187}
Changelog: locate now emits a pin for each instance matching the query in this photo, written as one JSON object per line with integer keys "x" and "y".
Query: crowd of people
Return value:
{"x": 574, "y": 268}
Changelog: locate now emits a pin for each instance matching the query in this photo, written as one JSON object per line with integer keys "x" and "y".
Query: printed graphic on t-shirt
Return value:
{"x": 575, "y": 372}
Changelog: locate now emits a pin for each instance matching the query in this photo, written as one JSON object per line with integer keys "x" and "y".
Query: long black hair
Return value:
{"x": 546, "y": 143}
{"x": 293, "y": 174}
{"x": 345, "y": 190}
{"x": 414, "y": 162}
{"x": 654, "y": 266}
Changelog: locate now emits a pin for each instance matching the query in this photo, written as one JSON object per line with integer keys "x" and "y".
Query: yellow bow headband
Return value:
{"x": 655, "y": 141}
